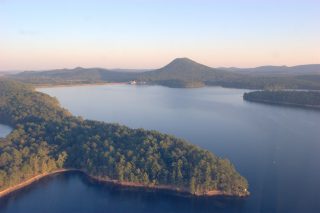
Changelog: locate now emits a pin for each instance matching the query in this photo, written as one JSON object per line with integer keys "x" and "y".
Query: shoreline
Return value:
{"x": 172, "y": 189}
{"x": 40, "y": 86}
{"x": 285, "y": 104}
{"x": 30, "y": 181}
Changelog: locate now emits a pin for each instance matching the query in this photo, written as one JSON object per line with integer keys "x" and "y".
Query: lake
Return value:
{"x": 276, "y": 148}
{"x": 4, "y": 130}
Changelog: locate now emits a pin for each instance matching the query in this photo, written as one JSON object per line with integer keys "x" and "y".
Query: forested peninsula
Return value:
{"x": 47, "y": 138}
{"x": 306, "y": 99}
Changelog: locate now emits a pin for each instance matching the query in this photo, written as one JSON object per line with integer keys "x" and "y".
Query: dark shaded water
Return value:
{"x": 275, "y": 148}
{"x": 75, "y": 193}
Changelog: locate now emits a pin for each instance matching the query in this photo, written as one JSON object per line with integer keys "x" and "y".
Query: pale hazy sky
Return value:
{"x": 44, "y": 34}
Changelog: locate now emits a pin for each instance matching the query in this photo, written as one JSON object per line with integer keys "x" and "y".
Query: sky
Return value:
{"x": 49, "y": 34}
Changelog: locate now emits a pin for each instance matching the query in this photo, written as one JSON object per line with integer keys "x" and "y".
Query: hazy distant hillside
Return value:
{"x": 183, "y": 72}
{"x": 76, "y": 75}
{"x": 130, "y": 70}
{"x": 185, "y": 69}
{"x": 308, "y": 69}
{"x": 3, "y": 73}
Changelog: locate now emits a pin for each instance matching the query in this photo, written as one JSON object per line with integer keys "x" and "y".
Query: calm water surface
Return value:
{"x": 275, "y": 148}
{"x": 4, "y": 130}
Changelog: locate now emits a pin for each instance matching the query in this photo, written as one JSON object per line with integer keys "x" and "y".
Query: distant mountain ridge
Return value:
{"x": 184, "y": 72}
{"x": 76, "y": 75}
{"x": 306, "y": 69}
{"x": 189, "y": 68}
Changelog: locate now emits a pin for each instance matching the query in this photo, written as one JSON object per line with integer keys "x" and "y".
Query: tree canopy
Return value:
{"x": 309, "y": 99}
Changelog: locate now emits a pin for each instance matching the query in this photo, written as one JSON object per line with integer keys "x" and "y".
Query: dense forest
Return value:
{"x": 292, "y": 98}
{"x": 47, "y": 137}
{"x": 183, "y": 72}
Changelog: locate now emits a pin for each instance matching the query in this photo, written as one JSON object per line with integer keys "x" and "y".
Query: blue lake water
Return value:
{"x": 4, "y": 130}
{"x": 275, "y": 148}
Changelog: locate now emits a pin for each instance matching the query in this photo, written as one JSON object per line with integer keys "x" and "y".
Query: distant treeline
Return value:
{"x": 183, "y": 73}
{"x": 47, "y": 137}
{"x": 291, "y": 98}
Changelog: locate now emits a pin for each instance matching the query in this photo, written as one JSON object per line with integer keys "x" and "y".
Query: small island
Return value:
{"x": 306, "y": 99}
{"x": 47, "y": 139}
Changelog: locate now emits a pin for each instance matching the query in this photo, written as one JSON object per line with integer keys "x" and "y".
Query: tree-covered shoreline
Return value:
{"x": 305, "y": 99}
{"x": 47, "y": 137}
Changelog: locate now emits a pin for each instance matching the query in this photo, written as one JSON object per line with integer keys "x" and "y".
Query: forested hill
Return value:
{"x": 183, "y": 72}
{"x": 309, "y": 99}
{"x": 46, "y": 138}
{"x": 77, "y": 75}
